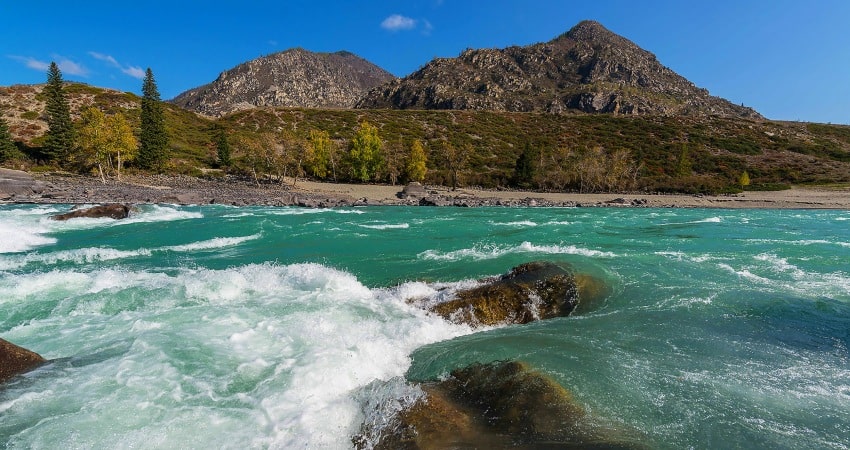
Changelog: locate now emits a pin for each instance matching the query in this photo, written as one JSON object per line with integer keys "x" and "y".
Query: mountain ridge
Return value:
{"x": 293, "y": 78}
{"x": 586, "y": 69}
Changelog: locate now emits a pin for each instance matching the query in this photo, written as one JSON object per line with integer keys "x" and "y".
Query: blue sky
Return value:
{"x": 790, "y": 60}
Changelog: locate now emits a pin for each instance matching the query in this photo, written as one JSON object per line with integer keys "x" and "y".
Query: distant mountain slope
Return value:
{"x": 588, "y": 69}
{"x": 296, "y": 78}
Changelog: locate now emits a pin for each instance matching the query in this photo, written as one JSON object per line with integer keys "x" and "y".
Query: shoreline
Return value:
{"x": 185, "y": 190}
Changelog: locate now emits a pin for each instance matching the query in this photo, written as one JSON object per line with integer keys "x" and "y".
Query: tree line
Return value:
{"x": 98, "y": 142}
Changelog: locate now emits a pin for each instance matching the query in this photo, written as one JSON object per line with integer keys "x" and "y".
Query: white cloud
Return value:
{"x": 133, "y": 71}
{"x": 32, "y": 63}
{"x": 67, "y": 66}
{"x": 72, "y": 68}
{"x": 398, "y": 22}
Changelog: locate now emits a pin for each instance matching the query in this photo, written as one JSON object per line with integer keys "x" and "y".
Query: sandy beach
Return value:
{"x": 176, "y": 189}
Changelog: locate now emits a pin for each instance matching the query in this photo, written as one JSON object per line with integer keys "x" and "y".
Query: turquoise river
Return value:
{"x": 221, "y": 327}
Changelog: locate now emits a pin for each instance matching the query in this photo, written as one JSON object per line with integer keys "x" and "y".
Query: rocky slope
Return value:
{"x": 296, "y": 78}
{"x": 588, "y": 69}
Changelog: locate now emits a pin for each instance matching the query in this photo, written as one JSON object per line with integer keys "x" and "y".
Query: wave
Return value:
{"x": 387, "y": 226}
{"x": 299, "y": 211}
{"x": 497, "y": 251}
{"x": 520, "y": 223}
{"x": 100, "y": 254}
{"x": 22, "y": 229}
{"x": 295, "y": 346}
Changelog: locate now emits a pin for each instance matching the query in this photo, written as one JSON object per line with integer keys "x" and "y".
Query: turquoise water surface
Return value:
{"x": 222, "y": 327}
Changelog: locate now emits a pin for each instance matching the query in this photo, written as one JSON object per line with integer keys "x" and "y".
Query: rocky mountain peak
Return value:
{"x": 294, "y": 78}
{"x": 587, "y": 69}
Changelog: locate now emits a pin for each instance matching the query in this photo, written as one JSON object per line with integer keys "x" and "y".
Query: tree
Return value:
{"x": 60, "y": 129}
{"x": 7, "y": 146}
{"x": 416, "y": 166}
{"x": 222, "y": 147}
{"x": 524, "y": 168}
{"x": 319, "y": 150}
{"x": 105, "y": 142}
{"x": 684, "y": 166}
{"x": 153, "y": 148}
{"x": 454, "y": 159}
{"x": 744, "y": 180}
{"x": 120, "y": 139}
{"x": 364, "y": 153}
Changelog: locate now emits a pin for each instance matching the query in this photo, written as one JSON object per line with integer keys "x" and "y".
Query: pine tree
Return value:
{"x": 222, "y": 147}
{"x": 7, "y": 146}
{"x": 524, "y": 168}
{"x": 416, "y": 166}
{"x": 153, "y": 148}
{"x": 60, "y": 130}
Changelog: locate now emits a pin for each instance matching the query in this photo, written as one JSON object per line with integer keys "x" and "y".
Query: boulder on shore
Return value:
{"x": 16, "y": 183}
{"x": 111, "y": 210}
{"x": 16, "y": 360}
{"x": 529, "y": 292}
{"x": 499, "y": 405}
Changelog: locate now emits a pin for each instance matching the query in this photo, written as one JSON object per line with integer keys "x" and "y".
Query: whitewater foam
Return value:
{"x": 386, "y": 226}
{"x": 493, "y": 251}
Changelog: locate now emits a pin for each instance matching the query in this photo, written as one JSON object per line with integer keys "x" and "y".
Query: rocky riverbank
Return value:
{"x": 20, "y": 187}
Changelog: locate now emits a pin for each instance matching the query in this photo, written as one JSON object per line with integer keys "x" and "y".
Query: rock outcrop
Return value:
{"x": 532, "y": 291}
{"x": 16, "y": 360}
{"x": 110, "y": 211}
{"x": 498, "y": 405}
{"x": 293, "y": 78}
{"x": 16, "y": 183}
{"x": 588, "y": 69}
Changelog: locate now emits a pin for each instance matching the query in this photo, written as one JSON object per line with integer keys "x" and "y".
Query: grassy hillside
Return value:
{"x": 684, "y": 154}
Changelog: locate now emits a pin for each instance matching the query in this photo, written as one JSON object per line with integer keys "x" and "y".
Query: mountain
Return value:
{"x": 295, "y": 78}
{"x": 588, "y": 69}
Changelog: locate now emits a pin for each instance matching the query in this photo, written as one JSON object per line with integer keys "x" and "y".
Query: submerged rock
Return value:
{"x": 498, "y": 405}
{"x": 532, "y": 291}
{"x": 111, "y": 210}
{"x": 16, "y": 360}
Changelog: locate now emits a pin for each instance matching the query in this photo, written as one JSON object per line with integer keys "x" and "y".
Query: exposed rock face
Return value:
{"x": 529, "y": 292}
{"x": 295, "y": 78}
{"x": 14, "y": 183}
{"x": 16, "y": 360}
{"x": 111, "y": 211}
{"x": 499, "y": 405}
{"x": 588, "y": 69}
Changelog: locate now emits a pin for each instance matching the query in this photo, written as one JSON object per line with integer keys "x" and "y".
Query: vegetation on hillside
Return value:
{"x": 537, "y": 151}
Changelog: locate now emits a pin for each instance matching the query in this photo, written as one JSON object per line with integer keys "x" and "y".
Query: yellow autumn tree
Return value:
{"x": 416, "y": 166}
{"x": 104, "y": 142}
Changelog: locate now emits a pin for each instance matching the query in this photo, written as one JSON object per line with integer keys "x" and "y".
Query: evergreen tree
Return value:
{"x": 416, "y": 166}
{"x": 365, "y": 153}
{"x": 60, "y": 130}
{"x": 222, "y": 147}
{"x": 153, "y": 148}
{"x": 7, "y": 146}
{"x": 524, "y": 168}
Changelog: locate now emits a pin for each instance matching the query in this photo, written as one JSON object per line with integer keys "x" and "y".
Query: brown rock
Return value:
{"x": 16, "y": 360}
{"x": 112, "y": 211}
{"x": 498, "y": 405}
{"x": 529, "y": 292}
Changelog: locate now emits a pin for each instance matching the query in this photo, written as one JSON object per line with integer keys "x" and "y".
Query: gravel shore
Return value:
{"x": 177, "y": 189}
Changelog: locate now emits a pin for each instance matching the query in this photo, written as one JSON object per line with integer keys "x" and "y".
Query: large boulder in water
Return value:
{"x": 16, "y": 360}
{"x": 532, "y": 291}
{"x": 111, "y": 211}
{"x": 498, "y": 405}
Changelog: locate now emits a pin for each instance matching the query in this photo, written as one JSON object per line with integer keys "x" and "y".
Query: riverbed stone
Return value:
{"x": 111, "y": 211}
{"x": 16, "y": 360}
